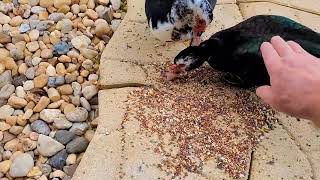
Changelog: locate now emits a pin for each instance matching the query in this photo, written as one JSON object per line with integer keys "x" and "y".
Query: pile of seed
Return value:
{"x": 205, "y": 119}
{"x": 49, "y": 61}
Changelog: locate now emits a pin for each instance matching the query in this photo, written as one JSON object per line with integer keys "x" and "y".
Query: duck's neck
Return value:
{"x": 210, "y": 48}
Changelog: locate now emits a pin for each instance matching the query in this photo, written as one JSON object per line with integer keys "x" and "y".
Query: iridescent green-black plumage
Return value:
{"x": 236, "y": 50}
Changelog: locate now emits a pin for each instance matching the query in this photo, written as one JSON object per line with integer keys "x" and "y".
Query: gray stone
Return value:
{"x": 19, "y": 80}
{"x": 76, "y": 88}
{"x": 89, "y": 91}
{"x": 5, "y": 78}
{"x": 21, "y": 165}
{"x": 45, "y": 169}
{"x": 61, "y": 48}
{"x": 79, "y": 128}
{"x": 77, "y": 145}
{"x": 30, "y": 73}
{"x": 44, "y": 25}
{"x": 6, "y": 111}
{"x": 37, "y": 9}
{"x": 49, "y": 115}
{"x": 61, "y": 122}
{"x": 94, "y": 100}
{"x": 64, "y": 136}
{"x": 47, "y": 146}
{"x": 56, "y": 17}
{"x": 6, "y": 91}
{"x": 59, "y": 160}
{"x": 40, "y": 127}
{"x": 85, "y": 104}
{"x": 70, "y": 78}
{"x": 24, "y": 28}
{"x": 79, "y": 114}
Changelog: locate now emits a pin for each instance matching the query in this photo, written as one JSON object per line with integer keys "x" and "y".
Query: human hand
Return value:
{"x": 294, "y": 78}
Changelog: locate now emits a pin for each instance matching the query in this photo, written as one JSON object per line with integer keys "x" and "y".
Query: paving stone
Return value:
{"x": 137, "y": 45}
{"x": 315, "y": 162}
{"x": 225, "y": 16}
{"x": 312, "y": 6}
{"x": 136, "y": 11}
{"x": 278, "y": 157}
{"x": 302, "y": 131}
{"x": 308, "y": 19}
{"x": 121, "y": 74}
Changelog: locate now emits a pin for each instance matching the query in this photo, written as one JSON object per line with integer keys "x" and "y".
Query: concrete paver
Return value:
{"x": 302, "y": 131}
{"x": 278, "y": 157}
{"x": 252, "y": 9}
{"x": 312, "y": 6}
{"x": 121, "y": 149}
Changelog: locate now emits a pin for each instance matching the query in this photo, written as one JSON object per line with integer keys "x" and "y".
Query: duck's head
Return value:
{"x": 187, "y": 60}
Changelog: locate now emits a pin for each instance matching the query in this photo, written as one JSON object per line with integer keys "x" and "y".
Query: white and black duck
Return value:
{"x": 236, "y": 50}
{"x": 179, "y": 20}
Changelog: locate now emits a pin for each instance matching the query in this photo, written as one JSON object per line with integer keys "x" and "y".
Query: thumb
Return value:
{"x": 265, "y": 93}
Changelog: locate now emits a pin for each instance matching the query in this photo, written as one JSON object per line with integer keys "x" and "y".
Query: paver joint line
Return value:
{"x": 300, "y": 148}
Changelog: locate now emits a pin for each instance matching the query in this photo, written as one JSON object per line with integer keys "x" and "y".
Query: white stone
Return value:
{"x": 80, "y": 42}
{"x": 21, "y": 165}
{"x": 47, "y": 146}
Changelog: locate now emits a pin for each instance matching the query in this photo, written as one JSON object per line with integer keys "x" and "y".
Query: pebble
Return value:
{"x": 61, "y": 48}
{"x": 115, "y": 24}
{"x": 69, "y": 78}
{"x": 79, "y": 128}
{"x": 17, "y": 54}
{"x": 80, "y": 42}
{"x": 5, "y": 166}
{"x": 4, "y": 38}
{"x": 20, "y": 92}
{"x": 51, "y": 71}
{"x": 16, "y": 21}
{"x": 42, "y": 104}
{"x": 34, "y": 35}
{"x": 19, "y": 80}
{"x": 59, "y": 160}
{"x": 40, "y": 127}
{"x": 17, "y": 102}
{"x": 33, "y": 46}
{"x": 56, "y": 17}
{"x": 24, "y": 28}
{"x": 4, "y": 126}
{"x": 28, "y": 144}
{"x": 115, "y": 4}
{"x": 92, "y": 14}
{"x": 6, "y": 91}
{"x": 46, "y": 3}
{"x": 37, "y": 9}
{"x": 64, "y": 25}
{"x": 53, "y": 94}
{"x": 62, "y": 123}
{"x": 85, "y": 103}
{"x": 28, "y": 85}
{"x": 65, "y": 89}
{"x": 76, "y": 88}
{"x": 40, "y": 81}
{"x": 59, "y": 3}
{"x": 57, "y": 174}
{"x": 79, "y": 114}
{"x": 49, "y": 115}
{"x": 64, "y": 136}
{"x": 102, "y": 29}
{"x": 89, "y": 91}
{"x": 35, "y": 172}
{"x": 47, "y": 53}
{"x": 16, "y": 130}
{"x": 36, "y": 61}
{"x": 4, "y": 19}
{"x": 77, "y": 145}
{"x": 6, "y": 111}
{"x": 47, "y": 146}
{"x": 5, "y": 78}
{"x": 71, "y": 159}
{"x": 30, "y": 73}
{"x": 89, "y": 134}
{"x": 21, "y": 165}
{"x": 88, "y": 53}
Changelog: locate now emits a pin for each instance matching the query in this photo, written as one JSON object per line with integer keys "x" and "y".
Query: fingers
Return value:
{"x": 270, "y": 57}
{"x": 265, "y": 93}
{"x": 296, "y": 47}
{"x": 282, "y": 47}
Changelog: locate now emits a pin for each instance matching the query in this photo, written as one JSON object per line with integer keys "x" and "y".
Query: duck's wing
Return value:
{"x": 157, "y": 10}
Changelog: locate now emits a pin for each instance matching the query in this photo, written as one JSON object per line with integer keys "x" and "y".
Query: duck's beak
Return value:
{"x": 173, "y": 71}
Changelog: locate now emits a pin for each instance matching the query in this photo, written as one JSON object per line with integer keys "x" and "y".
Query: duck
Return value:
{"x": 179, "y": 20}
{"x": 235, "y": 51}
